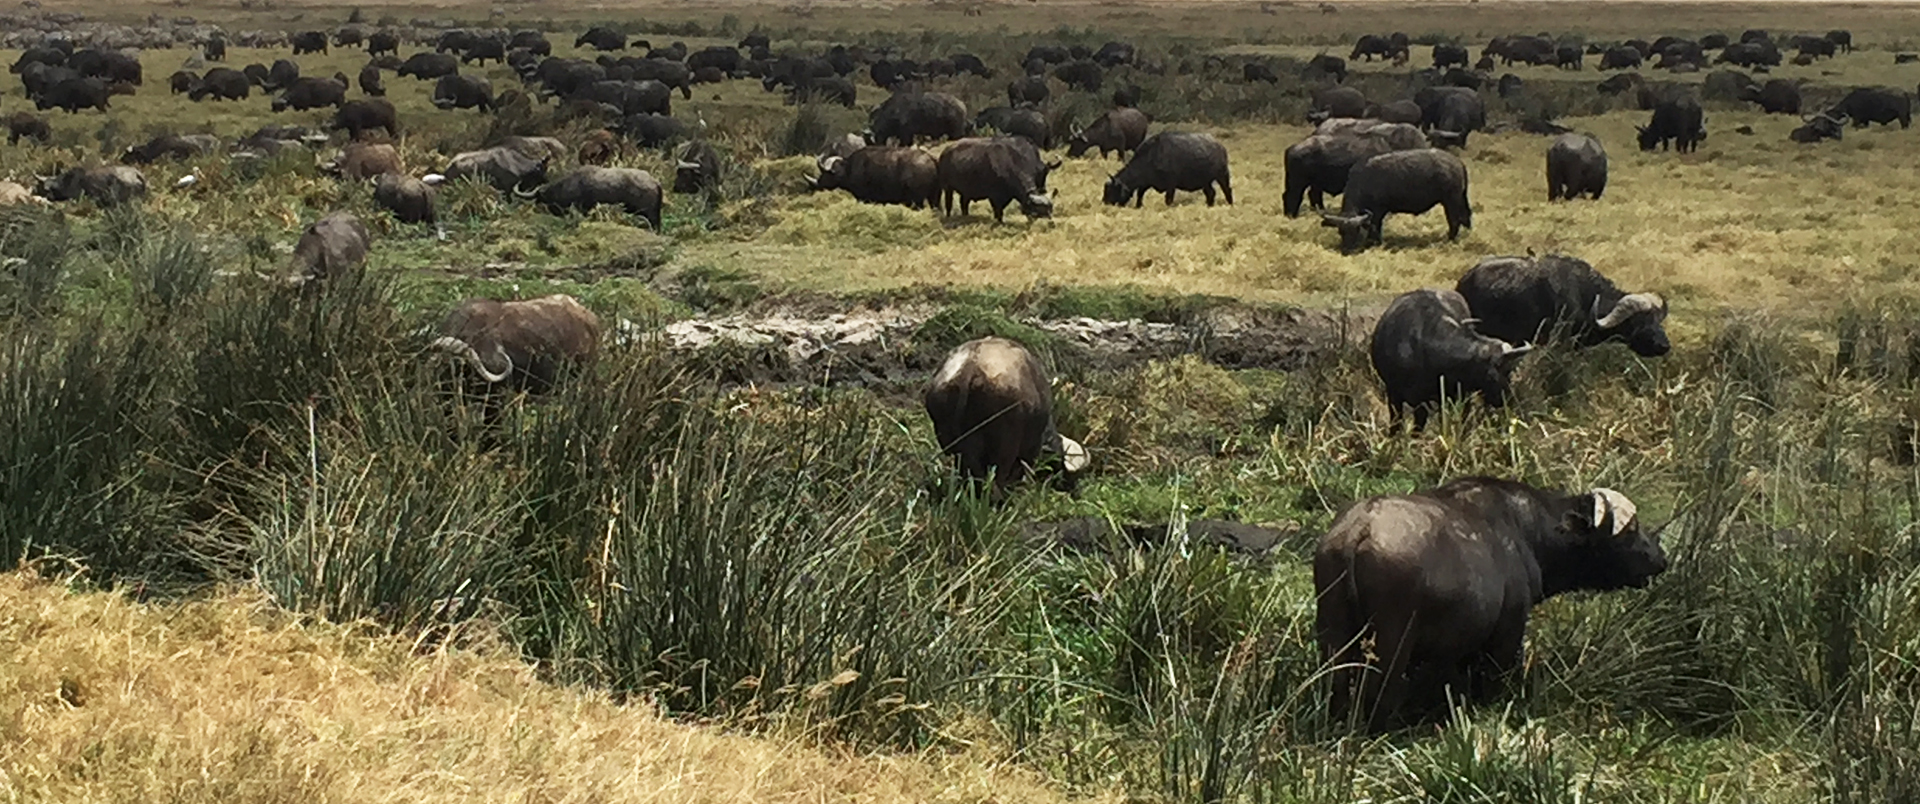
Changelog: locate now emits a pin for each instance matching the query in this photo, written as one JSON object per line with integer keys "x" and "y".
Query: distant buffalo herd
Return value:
{"x": 1441, "y": 580}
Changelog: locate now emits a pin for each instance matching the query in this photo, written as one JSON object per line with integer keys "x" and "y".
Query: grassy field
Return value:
{"x": 791, "y": 559}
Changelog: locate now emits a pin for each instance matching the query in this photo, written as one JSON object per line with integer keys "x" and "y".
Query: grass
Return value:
{"x": 795, "y": 561}
{"x": 231, "y": 699}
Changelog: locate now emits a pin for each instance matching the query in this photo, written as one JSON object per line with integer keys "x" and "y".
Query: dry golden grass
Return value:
{"x": 227, "y": 700}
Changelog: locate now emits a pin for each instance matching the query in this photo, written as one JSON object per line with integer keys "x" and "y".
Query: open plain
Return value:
{"x": 739, "y": 516}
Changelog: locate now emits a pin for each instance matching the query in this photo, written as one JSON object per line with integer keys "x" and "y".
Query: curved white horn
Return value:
{"x": 455, "y": 346}
{"x": 685, "y": 165}
{"x": 1610, "y": 503}
{"x": 1627, "y": 307}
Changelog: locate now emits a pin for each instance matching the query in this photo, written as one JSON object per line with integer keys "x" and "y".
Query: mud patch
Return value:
{"x": 881, "y": 347}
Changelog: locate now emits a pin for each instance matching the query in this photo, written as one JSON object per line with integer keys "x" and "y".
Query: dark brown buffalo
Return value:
{"x": 883, "y": 174}
{"x": 1426, "y": 352}
{"x": 1000, "y": 170}
{"x": 357, "y": 117}
{"x": 520, "y": 345}
{"x": 992, "y": 410}
{"x": 1406, "y": 182}
{"x": 27, "y": 125}
{"x": 410, "y": 200}
{"x": 365, "y": 160}
{"x": 1119, "y": 130}
{"x": 370, "y": 81}
{"x": 170, "y": 146}
{"x": 1535, "y": 299}
{"x": 332, "y": 246}
{"x": 105, "y": 185}
{"x": 1442, "y": 582}
{"x": 590, "y": 186}
{"x": 1576, "y": 166}
{"x": 1170, "y": 161}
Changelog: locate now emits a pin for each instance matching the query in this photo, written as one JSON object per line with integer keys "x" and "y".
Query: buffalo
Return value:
{"x": 182, "y": 81}
{"x": 1407, "y": 182}
{"x": 463, "y": 92}
{"x": 311, "y": 93}
{"x": 428, "y": 66}
{"x": 383, "y": 42}
{"x": 590, "y": 186}
{"x": 1576, "y": 166}
{"x": 357, "y": 117}
{"x": 331, "y": 247}
{"x": 1620, "y": 58}
{"x": 882, "y": 174}
{"x": 1026, "y": 123}
{"x": 1000, "y": 170}
{"x": 1446, "y": 55}
{"x": 410, "y": 200}
{"x": 1814, "y": 128}
{"x": 1777, "y": 96}
{"x": 698, "y": 168}
{"x": 1443, "y": 581}
{"x": 1319, "y": 165}
{"x": 1027, "y": 90}
{"x": 105, "y": 185}
{"x": 74, "y": 94}
{"x": 1119, "y": 130}
{"x": 517, "y": 346}
{"x": 1169, "y": 161}
{"x": 1426, "y": 351}
{"x": 501, "y": 167}
{"x": 1081, "y": 75}
{"x": 27, "y": 125}
{"x": 370, "y": 81}
{"x": 1676, "y": 120}
{"x": 1874, "y": 105}
{"x": 909, "y": 117}
{"x": 1535, "y": 300}
{"x": 654, "y": 130}
{"x": 365, "y": 160}
{"x": 1337, "y": 101}
{"x": 1450, "y": 114}
{"x": 309, "y": 42}
{"x": 170, "y": 146}
{"x": 992, "y": 409}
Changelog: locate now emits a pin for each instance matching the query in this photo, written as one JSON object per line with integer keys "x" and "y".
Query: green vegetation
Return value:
{"x": 796, "y": 558}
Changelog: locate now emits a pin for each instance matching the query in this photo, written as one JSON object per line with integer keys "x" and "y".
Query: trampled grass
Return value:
{"x": 229, "y": 699}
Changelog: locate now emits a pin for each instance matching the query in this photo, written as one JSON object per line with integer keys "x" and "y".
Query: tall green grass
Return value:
{"x": 800, "y": 560}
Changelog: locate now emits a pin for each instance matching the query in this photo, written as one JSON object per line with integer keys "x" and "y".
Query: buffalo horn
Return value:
{"x": 685, "y": 165}
{"x": 455, "y": 346}
{"x": 1607, "y": 502}
{"x": 1627, "y": 307}
{"x": 1073, "y": 455}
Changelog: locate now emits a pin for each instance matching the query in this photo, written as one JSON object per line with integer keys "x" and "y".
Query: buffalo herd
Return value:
{"x": 1439, "y": 582}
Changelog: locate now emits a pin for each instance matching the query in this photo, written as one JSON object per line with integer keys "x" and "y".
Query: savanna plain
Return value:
{"x": 263, "y": 558}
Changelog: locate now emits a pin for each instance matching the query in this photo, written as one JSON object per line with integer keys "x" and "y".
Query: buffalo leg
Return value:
{"x": 1314, "y": 197}
{"x": 1494, "y": 667}
{"x": 1169, "y": 198}
{"x": 999, "y": 211}
{"x": 1389, "y": 687}
{"x": 1208, "y": 192}
{"x": 1226, "y": 188}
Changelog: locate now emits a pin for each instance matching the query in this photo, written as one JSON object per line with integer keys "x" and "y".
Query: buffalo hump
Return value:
{"x": 992, "y": 410}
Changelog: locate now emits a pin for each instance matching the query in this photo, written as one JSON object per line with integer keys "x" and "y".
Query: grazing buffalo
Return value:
{"x": 1028, "y": 90}
{"x": 590, "y": 186}
{"x": 1028, "y": 123}
{"x": 1815, "y": 128}
{"x": 331, "y": 247}
{"x": 311, "y": 93}
{"x": 1000, "y": 170}
{"x": 1119, "y": 130}
{"x": 1338, "y": 101}
{"x": 1576, "y": 166}
{"x": 383, "y": 42}
{"x": 1081, "y": 75}
{"x": 602, "y": 38}
{"x": 483, "y": 49}
{"x": 215, "y": 49}
{"x": 501, "y": 167}
{"x": 74, "y": 94}
{"x": 992, "y": 409}
{"x": 105, "y": 185}
{"x": 630, "y": 97}
{"x": 1443, "y": 582}
{"x": 697, "y": 169}
{"x": 1874, "y": 105}
{"x": 1620, "y": 58}
{"x": 182, "y": 81}
{"x": 110, "y": 66}
{"x": 357, "y": 117}
{"x": 1448, "y": 55}
{"x": 1426, "y": 351}
{"x": 1450, "y": 113}
{"x": 309, "y": 42}
{"x": 883, "y": 174}
{"x": 370, "y": 81}
{"x": 1841, "y": 39}
{"x": 909, "y": 117}
{"x": 1400, "y": 111}
{"x": 280, "y": 76}
{"x": 654, "y": 130}
{"x": 1676, "y": 120}
{"x": 1255, "y": 71}
{"x": 1777, "y": 96}
{"x": 1750, "y": 55}
{"x": 27, "y": 125}
{"x": 1169, "y": 161}
{"x": 1325, "y": 66}
{"x": 170, "y": 146}
{"x": 1537, "y": 300}
{"x": 428, "y": 66}
{"x": 365, "y": 160}
{"x": 1319, "y": 165}
{"x": 1407, "y": 182}
{"x": 718, "y": 57}
{"x": 517, "y": 346}
{"x": 1371, "y": 46}
{"x": 408, "y": 199}
{"x": 463, "y": 92}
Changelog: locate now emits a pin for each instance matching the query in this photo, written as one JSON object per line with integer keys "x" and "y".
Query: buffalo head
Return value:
{"x": 1636, "y": 319}
{"x": 1615, "y": 553}
{"x": 1037, "y": 205}
{"x": 1355, "y": 230}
